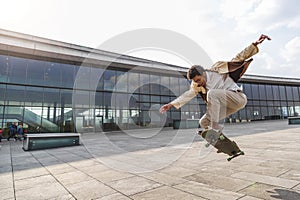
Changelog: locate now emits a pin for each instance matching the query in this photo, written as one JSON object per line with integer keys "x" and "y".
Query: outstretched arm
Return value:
{"x": 179, "y": 101}
{"x": 261, "y": 39}
{"x": 165, "y": 108}
{"x": 250, "y": 50}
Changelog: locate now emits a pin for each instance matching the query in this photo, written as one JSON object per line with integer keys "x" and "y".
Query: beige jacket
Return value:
{"x": 234, "y": 68}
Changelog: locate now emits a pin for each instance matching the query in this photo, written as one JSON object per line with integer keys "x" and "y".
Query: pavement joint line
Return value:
{"x": 53, "y": 176}
{"x": 284, "y": 173}
{"x": 296, "y": 186}
{"x": 247, "y": 186}
{"x": 12, "y": 171}
{"x": 187, "y": 191}
{"x": 147, "y": 190}
{"x": 242, "y": 197}
{"x": 90, "y": 175}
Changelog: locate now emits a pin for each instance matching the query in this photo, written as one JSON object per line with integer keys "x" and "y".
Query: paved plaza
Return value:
{"x": 158, "y": 164}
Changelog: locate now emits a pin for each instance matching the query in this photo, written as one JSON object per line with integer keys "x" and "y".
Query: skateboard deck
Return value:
{"x": 222, "y": 143}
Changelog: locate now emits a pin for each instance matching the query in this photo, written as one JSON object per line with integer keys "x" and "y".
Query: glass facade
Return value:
{"x": 47, "y": 96}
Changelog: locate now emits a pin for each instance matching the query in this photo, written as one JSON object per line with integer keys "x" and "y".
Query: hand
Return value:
{"x": 261, "y": 39}
{"x": 165, "y": 108}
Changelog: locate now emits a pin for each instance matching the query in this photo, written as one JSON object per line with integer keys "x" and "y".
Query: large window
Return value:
{"x": 53, "y": 74}
{"x": 15, "y": 95}
{"x": 34, "y": 96}
{"x": 4, "y": 68}
{"x": 35, "y": 72}
{"x": 255, "y": 91}
{"x": 262, "y": 92}
{"x": 282, "y": 92}
{"x": 109, "y": 78}
{"x": 42, "y": 95}
{"x": 133, "y": 82}
{"x": 145, "y": 83}
{"x": 17, "y": 70}
{"x": 67, "y": 75}
{"x": 82, "y": 80}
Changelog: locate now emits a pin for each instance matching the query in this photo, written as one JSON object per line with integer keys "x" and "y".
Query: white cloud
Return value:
{"x": 266, "y": 15}
{"x": 294, "y": 23}
{"x": 291, "y": 51}
{"x": 236, "y": 8}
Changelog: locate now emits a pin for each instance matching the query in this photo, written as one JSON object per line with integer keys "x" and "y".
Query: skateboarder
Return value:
{"x": 218, "y": 87}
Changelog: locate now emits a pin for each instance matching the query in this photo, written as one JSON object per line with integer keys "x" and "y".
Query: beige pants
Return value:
{"x": 221, "y": 104}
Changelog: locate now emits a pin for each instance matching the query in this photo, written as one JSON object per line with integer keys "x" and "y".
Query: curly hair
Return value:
{"x": 194, "y": 71}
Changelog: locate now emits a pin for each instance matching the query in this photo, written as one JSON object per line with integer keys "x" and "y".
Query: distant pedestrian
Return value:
{"x": 12, "y": 131}
{"x": 20, "y": 132}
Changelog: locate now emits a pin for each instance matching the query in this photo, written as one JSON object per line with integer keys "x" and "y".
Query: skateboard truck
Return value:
{"x": 235, "y": 155}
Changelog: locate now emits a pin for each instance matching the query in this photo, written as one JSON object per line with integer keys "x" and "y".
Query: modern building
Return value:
{"x": 52, "y": 86}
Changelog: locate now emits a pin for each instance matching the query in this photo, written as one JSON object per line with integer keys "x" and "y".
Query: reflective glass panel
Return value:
{"x": 53, "y": 74}
{"x": 35, "y": 72}
{"x": 4, "y": 68}
{"x": 17, "y": 70}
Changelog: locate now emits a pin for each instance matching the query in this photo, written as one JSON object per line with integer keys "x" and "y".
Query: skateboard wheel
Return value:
{"x": 207, "y": 145}
{"x": 242, "y": 153}
{"x": 229, "y": 159}
{"x": 222, "y": 137}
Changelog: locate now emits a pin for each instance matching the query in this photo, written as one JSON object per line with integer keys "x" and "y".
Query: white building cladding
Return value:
{"x": 52, "y": 86}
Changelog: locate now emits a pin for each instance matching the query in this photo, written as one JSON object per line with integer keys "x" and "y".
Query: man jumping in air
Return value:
{"x": 218, "y": 87}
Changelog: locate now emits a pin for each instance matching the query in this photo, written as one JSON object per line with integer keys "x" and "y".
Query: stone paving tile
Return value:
{"x": 27, "y": 173}
{"x": 249, "y": 198}
{"x": 94, "y": 168}
{"x": 281, "y": 163}
{"x": 266, "y": 179}
{"x": 32, "y": 182}
{"x": 6, "y": 180}
{"x": 7, "y": 193}
{"x": 292, "y": 174}
{"x": 163, "y": 178}
{"x": 84, "y": 163}
{"x": 27, "y": 164}
{"x": 178, "y": 171}
{"x": 60, "y": 169}
{"x": 166, "y": 193}
{"x": 262, "y": 170}
{"x": 217, "y": 170}
{"x": 63, "y": 197}
{"x": 265, "y": 191}
{"x": 220, "y": 181}
{"x": 42, "y": 191}
{"x": 91, "y": 189}
{"x": 5, "y": 167}
{"x": 50, "y": 160}
{"x": 72, "y": 177}
{"x": 207, "y": 191}
{"x": 133, "y": 185}
{"x": 68, "y": 157}
{"x": 297, "y": 187}
{"x": 116, "y": 196}
{"x": 109, "y": 175}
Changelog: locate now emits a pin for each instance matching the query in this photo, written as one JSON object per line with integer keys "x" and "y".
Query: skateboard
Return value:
{"x": 222, "y": 143}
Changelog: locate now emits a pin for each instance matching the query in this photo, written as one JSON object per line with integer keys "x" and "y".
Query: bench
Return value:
{"x": 294, "y": 120}
{"x": 50, "y": 140}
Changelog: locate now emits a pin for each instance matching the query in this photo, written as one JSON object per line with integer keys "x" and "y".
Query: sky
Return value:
{"x": 221, "y": 28}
